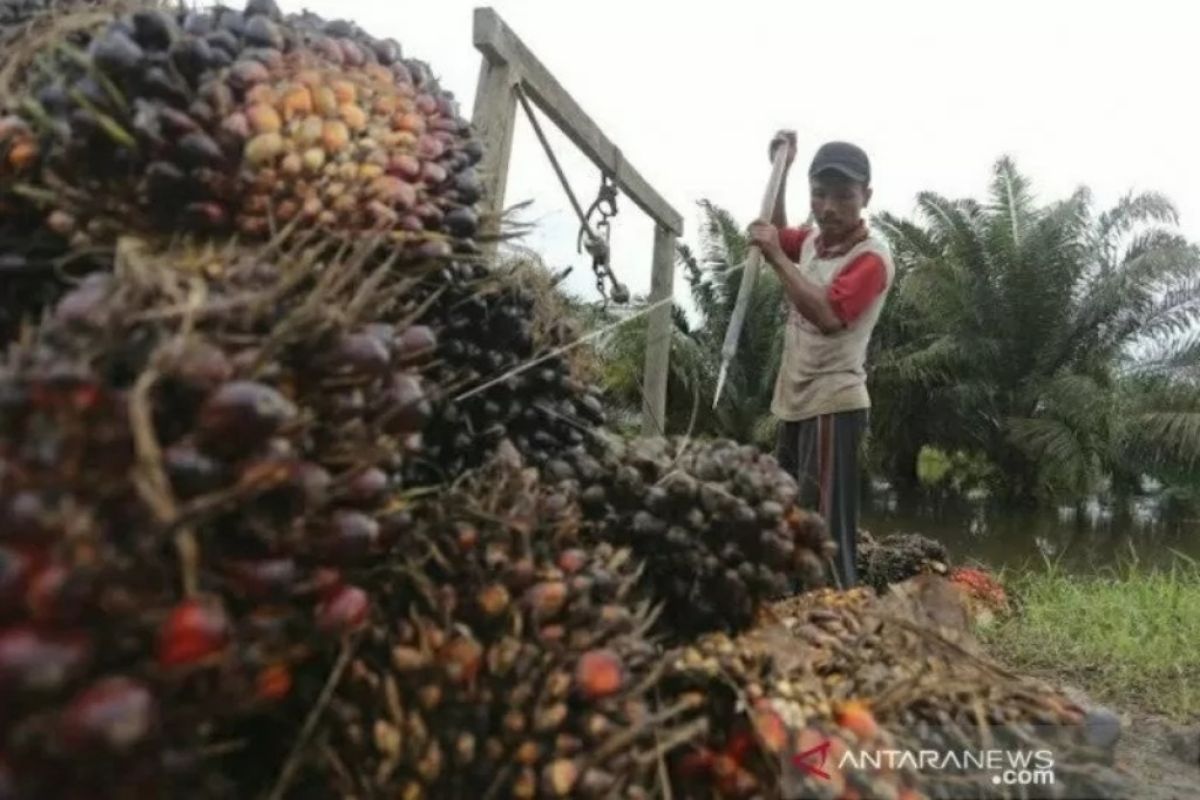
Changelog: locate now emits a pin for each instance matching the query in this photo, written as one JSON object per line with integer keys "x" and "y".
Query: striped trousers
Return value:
{"x": 822, "y": 453}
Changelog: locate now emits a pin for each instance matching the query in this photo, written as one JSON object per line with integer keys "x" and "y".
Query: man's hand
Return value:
{"x": 783, "y": 138}
{"x": 765, "y": 237}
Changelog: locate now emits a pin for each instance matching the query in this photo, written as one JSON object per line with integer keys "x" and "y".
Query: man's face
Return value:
{"x": 837, "y": 202}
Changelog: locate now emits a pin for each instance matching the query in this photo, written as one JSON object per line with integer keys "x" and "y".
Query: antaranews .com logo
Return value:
{"x": 1004, "y": 766}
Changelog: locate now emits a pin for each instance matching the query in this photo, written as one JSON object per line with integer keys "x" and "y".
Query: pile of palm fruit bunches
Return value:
{"x": 301, "y": 497}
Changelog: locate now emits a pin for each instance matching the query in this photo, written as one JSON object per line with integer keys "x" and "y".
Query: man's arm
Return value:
{"x": 808, "y": 298}
{"x": 831, "y": 310}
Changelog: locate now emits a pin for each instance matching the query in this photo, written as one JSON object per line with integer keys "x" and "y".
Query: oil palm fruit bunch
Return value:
{"x": 985, "y": 596}
{"x": 499, "y": 377}
{"x": 897, "y": 557}
{"x": 138, "y": 117}
{"x": 501, "y": 658}
{"x": 716, "y": 523}
{"x": 195, "y": 458}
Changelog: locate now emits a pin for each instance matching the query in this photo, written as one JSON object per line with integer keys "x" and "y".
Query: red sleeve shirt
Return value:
{"x": 792, "y": 239}
{"x": 857, "y": 286}
{"x": 854, "y": 288}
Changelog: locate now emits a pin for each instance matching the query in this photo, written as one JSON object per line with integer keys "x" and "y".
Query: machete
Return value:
{"x": 749, "y": 274}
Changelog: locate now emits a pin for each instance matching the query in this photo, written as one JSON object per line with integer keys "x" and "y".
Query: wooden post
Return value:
{"x": 507, "y": 62}
{"x": 494, "y": 118}
{"x": 499, "y": 44}
{"x": 658, "y": 334}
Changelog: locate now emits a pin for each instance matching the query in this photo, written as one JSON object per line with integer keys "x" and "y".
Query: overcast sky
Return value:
{"x": 1079, "y": 93}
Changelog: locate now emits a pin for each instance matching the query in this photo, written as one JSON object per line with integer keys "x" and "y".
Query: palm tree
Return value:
{"x": 1029, "y": 333}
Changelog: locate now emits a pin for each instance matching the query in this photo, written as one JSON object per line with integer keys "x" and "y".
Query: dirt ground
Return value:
{"x": 1161, "y": 757}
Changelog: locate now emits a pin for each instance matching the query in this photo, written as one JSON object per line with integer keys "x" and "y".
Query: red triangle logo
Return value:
{"x": 813, "y": 759}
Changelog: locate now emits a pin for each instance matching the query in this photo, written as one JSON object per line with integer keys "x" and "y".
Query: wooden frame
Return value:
{"x": 508, "y": 63}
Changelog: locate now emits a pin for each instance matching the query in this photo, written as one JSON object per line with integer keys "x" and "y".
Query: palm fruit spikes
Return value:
{"x": 501, "y": 659}
{"x": 219, "y": 121}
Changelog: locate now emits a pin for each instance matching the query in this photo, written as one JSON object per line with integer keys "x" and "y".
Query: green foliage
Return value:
{"x": 1056, "y": 341}
{"x": 958, "y": 473}
{"x": 1126, "y": 634}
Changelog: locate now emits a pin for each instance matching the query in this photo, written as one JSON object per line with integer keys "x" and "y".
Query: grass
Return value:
{"x": 1128, "y": 635}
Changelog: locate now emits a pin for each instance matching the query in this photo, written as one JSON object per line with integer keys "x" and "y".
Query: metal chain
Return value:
{"x": 605, "y": 205}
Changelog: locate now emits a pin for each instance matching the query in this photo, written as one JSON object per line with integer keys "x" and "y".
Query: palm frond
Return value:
{"x": 1011, "y": 200}
{"x": 1131, "y": 211}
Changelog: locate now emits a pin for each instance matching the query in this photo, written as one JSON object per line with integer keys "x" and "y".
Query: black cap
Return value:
{"x": 844, "y": 158}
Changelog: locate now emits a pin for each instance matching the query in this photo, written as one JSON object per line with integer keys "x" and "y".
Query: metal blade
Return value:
{"x": 720, "y": 382}
{"x": 749, "y": 275}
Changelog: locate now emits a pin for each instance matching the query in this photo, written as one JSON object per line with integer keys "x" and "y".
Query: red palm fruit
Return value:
{"x": 546, "y": 599}
{"x": 196, "y": 630}
{"x": 599, "y": 674}
{"x": 854, "y": 716}
{"x": 462, "y": 658}
{"x": 571, "y": 561}
{"x": 493, "y": 600}
{"x": 770, "y": 728}
{"x": 273, "y": 683}
{"x": 343, "y": 610}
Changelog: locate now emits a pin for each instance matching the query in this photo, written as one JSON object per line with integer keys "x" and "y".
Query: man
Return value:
{"x": 836, "y": 278}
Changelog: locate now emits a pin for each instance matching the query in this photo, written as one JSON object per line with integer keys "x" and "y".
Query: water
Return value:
{"x": 1093, "y": 537}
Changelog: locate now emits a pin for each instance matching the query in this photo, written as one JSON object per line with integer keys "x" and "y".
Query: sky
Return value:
{"x": 1078, "y": 93}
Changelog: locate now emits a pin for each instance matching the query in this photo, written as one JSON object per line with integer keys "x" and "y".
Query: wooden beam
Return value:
{"x": 494, "y": 119}
{"x": 658, "y": 335}
{"x": 501, "y": 46}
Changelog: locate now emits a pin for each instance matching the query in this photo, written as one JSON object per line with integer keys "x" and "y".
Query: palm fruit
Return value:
{"x": 897, "y": 557}
{"x": 716, "y": 523}
{"x": 501, "y": 376}
{"x": 501, "y": 659}
{"x": 196, "y": 454}
{"x": 985, "y": 597}
{"x": 216, "y": 120}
